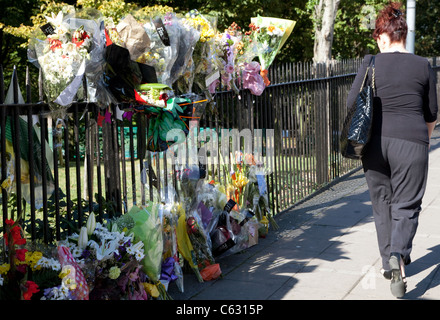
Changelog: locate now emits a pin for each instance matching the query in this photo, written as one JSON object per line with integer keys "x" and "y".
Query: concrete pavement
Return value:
{"x": 326, "y": 249}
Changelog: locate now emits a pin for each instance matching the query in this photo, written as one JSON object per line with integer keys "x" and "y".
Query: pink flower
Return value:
{"x": 229, "y": 68}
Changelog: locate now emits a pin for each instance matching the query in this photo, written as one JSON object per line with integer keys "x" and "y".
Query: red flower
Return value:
{"x": 31, "y": 288}
{"x": 55, "y": 44}
{"x": 15, "y": 232}
{"x": 22, "y": 268}
{"x": 79, "y": 36}
{"x": 21, "y": 254}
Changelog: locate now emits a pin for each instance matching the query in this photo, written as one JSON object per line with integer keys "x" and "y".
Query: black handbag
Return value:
{"x": 356, "y": 130}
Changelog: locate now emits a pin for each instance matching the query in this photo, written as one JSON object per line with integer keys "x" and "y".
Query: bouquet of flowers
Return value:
{"x": 184, "y": 245}
{"x": 247, "y": 46}
{"x": 205, "y": 62}
{"x": 270, "y": 35}
{"x": 28, "y": 272}
{"x": 148, "y": 230}
{"x": 187, "y": 39}
{"x": 200, "y": 241}
{"x": 111, "y": 260}
{"x": 171, "y": 270}
{"x": 228, "y": 44}
{"x": 162, "y": 53}
{"x": 63, "y": 56}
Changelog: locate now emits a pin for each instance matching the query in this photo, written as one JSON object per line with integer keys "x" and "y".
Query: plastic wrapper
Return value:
{"x": 65, "y": 55}
{"x": 211, "y": 272}
{"x": 187, "y": 39}
{"x": 184, "y": 244}
{"x": 220, "y": 230}
{"x": 199, "y": 238}
{"x": 163, "y": 49}
{"x": 148, "y": 229}
{"x": 205, "y": 64}
{"x": 270, "y": 37}
{"x": 81, "y": 292}
{"x": 171, "y": 270}
{"x": 153, "y": 94}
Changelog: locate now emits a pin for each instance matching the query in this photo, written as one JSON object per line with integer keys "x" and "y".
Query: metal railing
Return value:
{"x": 72, "y": 167}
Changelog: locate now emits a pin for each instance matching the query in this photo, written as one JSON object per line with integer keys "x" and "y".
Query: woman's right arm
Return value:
{"x": 357, "y": 83}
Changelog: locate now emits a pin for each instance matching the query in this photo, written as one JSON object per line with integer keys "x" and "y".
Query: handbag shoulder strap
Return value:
{"x": 372, "y": 66}
{"x": 372, "y": 63}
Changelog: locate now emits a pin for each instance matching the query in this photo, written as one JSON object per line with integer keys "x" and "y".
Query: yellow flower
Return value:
{"x": 32, "y": 259}
{"x": 151, "y": 289}
{"x": 114, "y": 272}
{"x": 67, "y": 276}
{"x": 64, "y": 272}
{"x": 4, "y": 268}
{"x": 240, "y": 180}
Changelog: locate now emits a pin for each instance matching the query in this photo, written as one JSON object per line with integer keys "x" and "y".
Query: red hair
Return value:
{"x": 391, "y": 21}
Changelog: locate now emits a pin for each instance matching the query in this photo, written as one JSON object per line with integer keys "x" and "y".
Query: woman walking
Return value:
{"x": 396, "y": 159}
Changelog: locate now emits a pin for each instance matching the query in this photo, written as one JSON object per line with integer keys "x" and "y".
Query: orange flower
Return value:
{"x": 264, "y": 73}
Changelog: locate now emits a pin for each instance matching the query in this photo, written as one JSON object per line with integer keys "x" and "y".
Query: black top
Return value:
{"x": 405, "y": 97}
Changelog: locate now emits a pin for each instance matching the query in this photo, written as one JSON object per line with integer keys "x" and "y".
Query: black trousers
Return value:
{"x": 396, "y": 172}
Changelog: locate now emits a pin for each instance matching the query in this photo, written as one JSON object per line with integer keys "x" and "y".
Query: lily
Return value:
{"x": 91, "y": 224}
{"x": 82, "y": 239}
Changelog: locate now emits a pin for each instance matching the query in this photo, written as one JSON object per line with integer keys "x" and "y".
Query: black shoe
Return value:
{"x": 386, "y": 273}
{"x": 398, "y": 285}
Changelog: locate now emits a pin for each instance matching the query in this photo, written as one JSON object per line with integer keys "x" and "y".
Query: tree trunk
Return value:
{"x": 325, "y": 14}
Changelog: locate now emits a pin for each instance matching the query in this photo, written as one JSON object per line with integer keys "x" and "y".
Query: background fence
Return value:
{"x": 80, "y": 165}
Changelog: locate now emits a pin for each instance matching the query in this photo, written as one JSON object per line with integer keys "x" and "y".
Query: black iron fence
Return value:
{"x": 54, "y": 172}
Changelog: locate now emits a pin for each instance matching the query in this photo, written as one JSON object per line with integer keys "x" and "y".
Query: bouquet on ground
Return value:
{"x": 171, "y": 270}
{"x": 112, "y": 261}
{"x": 199, "y": 239}
{"x": 29, "y": 271}
{"x": 64, "y": 55}
{"x": 270, "y": 35}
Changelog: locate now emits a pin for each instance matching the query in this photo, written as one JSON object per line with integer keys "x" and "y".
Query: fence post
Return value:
{"x": 111, "y": 166}
{"x": 322, "y": 105}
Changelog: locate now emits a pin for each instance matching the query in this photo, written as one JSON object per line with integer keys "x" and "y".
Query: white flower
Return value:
{"x": 105, "y": 250}
{"x": 91, "y": 224}
{"x": 139, "y": 255}
{"x": 69, "y": 48}
{"x": 137, "y": 250}
{"x": 83, "y": 239}
{"x": 76, "y": 252}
